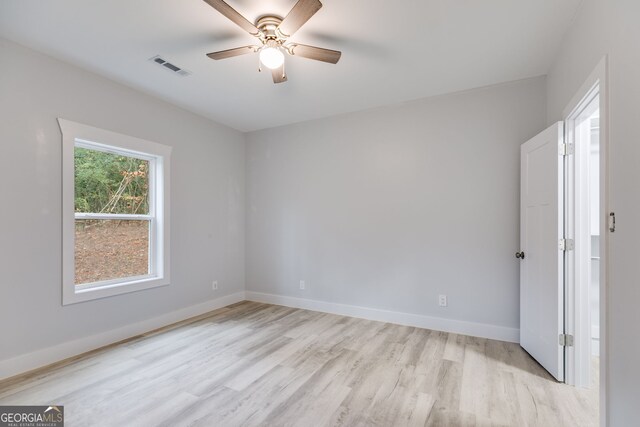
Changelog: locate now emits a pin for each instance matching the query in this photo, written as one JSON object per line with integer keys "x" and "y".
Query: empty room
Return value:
{"x": 319, "y": 213}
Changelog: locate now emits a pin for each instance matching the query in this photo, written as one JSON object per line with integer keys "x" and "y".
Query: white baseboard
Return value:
{"x": 481, "y": 330}
{"x": 47, "y": 356}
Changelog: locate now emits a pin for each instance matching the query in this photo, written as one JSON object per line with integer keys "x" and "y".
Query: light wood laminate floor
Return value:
{"x": 256, "y": 364}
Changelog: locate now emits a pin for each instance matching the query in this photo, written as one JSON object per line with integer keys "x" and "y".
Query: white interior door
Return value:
{"x": 542, "y": 269}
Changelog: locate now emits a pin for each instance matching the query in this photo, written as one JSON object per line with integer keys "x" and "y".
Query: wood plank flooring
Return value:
{"x": 254, "y": 364}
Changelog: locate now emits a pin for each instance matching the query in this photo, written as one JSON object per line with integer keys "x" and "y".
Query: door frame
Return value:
{"x": 574, "y": 317}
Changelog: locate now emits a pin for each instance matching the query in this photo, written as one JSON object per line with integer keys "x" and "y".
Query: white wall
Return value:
{"x": 207, "y": 201}
{"x": 389, "y": 208}
{"x": 611, "y": 27}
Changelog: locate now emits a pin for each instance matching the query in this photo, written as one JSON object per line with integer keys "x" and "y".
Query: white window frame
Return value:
{"x": 159, "y": 158}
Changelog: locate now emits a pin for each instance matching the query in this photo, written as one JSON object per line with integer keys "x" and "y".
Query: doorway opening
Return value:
{"x": 590, "y": 223}
{"x": 583, "y": 224}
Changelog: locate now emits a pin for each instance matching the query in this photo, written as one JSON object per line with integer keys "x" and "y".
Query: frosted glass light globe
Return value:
{"x": 271, "y": 57}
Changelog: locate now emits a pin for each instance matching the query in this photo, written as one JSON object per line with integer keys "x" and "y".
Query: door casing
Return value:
{"x": 575, "y": 320}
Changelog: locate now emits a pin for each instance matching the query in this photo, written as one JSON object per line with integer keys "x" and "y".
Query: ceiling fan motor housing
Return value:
{"x": 268, "y": 25}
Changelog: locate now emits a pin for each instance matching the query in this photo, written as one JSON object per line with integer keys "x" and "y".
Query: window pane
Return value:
{"x": 110, "y": 183}
{"x": 111, "y": 249}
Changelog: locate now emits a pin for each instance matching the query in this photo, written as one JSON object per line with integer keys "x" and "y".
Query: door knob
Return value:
{"x": 520, "y": 255}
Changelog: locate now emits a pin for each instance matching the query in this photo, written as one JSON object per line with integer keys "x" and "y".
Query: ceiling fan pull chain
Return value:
{"x": 259, "y": 64}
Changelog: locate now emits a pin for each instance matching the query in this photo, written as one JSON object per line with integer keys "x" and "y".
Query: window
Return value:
{"x": 115, "y": 213}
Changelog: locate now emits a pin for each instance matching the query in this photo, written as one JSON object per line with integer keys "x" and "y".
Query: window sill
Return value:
{"x": 109, "y": 289}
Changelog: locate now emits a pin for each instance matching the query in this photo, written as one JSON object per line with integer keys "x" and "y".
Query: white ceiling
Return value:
{"x": 393, "y": 51}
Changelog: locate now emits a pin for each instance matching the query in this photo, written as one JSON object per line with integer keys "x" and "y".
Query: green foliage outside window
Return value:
{"x": 110, "y": 183}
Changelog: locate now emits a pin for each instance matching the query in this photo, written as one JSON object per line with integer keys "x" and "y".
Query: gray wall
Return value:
{"x": 207, "y": 201}
{"x": 390, "y": 207}
{"x": 611, "y": 28}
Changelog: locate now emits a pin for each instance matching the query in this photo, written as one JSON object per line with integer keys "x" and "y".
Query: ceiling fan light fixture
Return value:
{"x": 271, "y": 57}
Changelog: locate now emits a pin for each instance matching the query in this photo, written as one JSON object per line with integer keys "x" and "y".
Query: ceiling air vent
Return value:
{"x": 169, "y": 66}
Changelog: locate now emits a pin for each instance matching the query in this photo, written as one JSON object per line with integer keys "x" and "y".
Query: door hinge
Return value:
{"x": 567, "y": 149}
{"x": 565, "y": 340}
{"x": 566, "y": 244}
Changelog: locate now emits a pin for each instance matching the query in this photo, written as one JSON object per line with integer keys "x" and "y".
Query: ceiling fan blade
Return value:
{"x": 234, "y": 16}
{"x": 301, "y": 12}
{"x": 279, "y": 75}
{"x": 230, "y": 53}
{"x": 317, "y": 53}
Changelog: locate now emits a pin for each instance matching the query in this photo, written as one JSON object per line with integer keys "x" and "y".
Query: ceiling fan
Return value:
{"x": 273, "y": 33}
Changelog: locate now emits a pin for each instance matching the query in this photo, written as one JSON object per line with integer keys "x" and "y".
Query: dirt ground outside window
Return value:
{"x": 110, "y": 249}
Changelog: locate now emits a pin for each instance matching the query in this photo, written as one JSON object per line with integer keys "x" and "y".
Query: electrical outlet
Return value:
{"x": 302, "y": 285}
{"x": 214, "y": 285}
{"x": 442, "y": 300}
